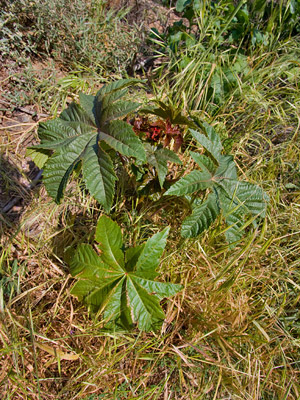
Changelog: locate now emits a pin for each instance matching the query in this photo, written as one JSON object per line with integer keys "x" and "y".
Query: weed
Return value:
{"x": 69, "y": 32}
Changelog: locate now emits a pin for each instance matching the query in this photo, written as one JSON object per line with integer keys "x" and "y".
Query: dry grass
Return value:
{"x": 232, "y": 333}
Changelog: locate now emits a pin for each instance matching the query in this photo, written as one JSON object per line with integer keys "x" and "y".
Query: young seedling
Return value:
{"x": 121, "y": 284}
{"x": 227, "y": 195}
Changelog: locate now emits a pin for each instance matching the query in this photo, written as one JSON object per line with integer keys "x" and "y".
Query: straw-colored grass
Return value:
{"x": 232, "y": 333}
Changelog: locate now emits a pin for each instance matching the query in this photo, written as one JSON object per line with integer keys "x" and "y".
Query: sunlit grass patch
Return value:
{"x": 233, "y": 331}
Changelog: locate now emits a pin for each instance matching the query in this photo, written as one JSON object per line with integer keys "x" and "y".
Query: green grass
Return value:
{"x": 233, "y": 332}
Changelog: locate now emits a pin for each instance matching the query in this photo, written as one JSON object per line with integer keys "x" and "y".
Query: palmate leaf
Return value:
{"x": 78, "y": 137}
{"x": 121, "y": 285}
{"x": 245, "y": 196}
{"x": 233, "y": 198}
{"x": 158, "y": 157}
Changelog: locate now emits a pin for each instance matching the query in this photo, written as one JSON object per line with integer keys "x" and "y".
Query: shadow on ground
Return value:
{"x": 16, "y": 190}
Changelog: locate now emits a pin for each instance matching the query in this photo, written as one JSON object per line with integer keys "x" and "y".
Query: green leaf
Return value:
{"x": 181, "y": 4}
{"x": 87, "y": 102}
{"x": 38, "y": 156}
{"x": 201, "y": 219}
{"x": 233, "y": 215}
{"x": 80, "y": 137}
{"x": 235, "y": 199}
{"x": 132, "y": 255}
{"x": 193, "y": 182}
{"x": 227, "y": 168}
{"x": 148, "y": 261}
{"x": 249, "y": 197}
{"x": 211, "y": 142}
{"x": 145, "y": 307}
{"x": 121, "y": 137}
{"x": 124, "y": 292}
{"x": 75, "y": 113}
{"x": 205, "y": 163}
{"x": 117, "y": 85}
{"x": 116, "y": 110}
{"x": 109, "y": 236}
{"x": 60, "y": 166}
{"x": 98, "y": 174}
{"x": 112, "y": 97}
{"x": 89, "y": 265}
{"x": 160, "y": 289}
{"x": 158, "y": 157}
{"x": 57, "y": 133}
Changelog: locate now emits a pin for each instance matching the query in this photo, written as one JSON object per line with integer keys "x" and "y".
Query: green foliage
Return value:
{"x": 209, "y": 52}
{"x": 170, "y": 112}
{"x": 121, "y": 283}
{"x": 72, "y": 32}
{"x": 83, "y": 136}
{"x": 254, "y": 21}
{"x": 158, "y": 157}
{"x": 227, "y": 195}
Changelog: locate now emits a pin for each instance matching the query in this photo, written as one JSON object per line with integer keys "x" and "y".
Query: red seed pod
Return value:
{"x": 156, "y": 134}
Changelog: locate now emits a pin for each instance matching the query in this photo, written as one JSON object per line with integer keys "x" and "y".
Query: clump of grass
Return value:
{"x": 72, "y": 33}
{"x": 49, "y": 50}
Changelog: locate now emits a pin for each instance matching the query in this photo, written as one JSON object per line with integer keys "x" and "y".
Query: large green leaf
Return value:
{"x": 213, "y": 148}
{"x": 76, "y": 113}
{"x": 109, "y": 237}
{"x": 204, "y": 162}
{"x": 226, "y": 169}
{"x": 145, "y": 307}
{"x": 121, "y": 285}
{"x": 79, "y": 136}
{"x": 132, "y": 255}
{"x": 116, "y": 110}
{"x": 235, "y": 199}
{"x": 233, "y": 215}
{"x": 248, "y": 197}
{"x": 87, "y": 102}
{"x": 211, "y": 141}
{"x": 57, "y": 133}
